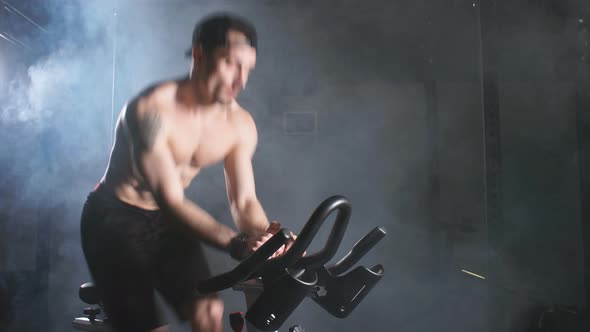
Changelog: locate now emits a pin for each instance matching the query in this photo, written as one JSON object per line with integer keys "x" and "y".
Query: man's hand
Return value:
{"x": 270, "y": 231}
{"x": 244, "y": 245}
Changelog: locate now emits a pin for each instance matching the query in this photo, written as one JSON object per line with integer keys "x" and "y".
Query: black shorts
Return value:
{"x": 131, "y": 252}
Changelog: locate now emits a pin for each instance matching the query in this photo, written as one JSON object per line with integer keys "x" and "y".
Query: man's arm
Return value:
{"x": 246, "y": 209}
{"x": 157, "y": 165}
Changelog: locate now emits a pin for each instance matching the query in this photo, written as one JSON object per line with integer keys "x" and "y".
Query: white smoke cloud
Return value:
{"x": 36, "y": 96}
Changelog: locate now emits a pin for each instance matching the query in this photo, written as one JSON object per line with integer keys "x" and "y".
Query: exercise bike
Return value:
{"x": 280, "y": 284}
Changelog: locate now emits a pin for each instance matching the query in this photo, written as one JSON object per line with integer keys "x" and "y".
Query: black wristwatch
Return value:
{"x": 237, "y": 246}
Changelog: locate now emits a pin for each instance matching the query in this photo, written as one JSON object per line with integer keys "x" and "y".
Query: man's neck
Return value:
{"x": 193, "y": 93}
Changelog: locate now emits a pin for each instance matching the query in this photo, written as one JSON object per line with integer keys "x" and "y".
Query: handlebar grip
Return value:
{"x": 358, "y": 251}
{"x": 247, "y": 267}
{"x": 292, "y": 258}
{"x": 343, "y": 206}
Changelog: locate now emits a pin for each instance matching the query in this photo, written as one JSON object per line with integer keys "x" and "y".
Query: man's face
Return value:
{"x": 228, "y": 68}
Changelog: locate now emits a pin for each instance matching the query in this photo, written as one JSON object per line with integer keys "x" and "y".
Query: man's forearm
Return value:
{"x": 207, "y": 228}
{"x": 250, "y": 218}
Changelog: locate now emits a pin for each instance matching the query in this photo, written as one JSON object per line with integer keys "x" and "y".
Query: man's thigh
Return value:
{"x": 119, "y": 266}
{"x": 181, "y": 264}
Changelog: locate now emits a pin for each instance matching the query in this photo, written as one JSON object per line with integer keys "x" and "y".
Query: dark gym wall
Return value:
{"x": 536, "y": 247}
{"x": 380, "y": 101}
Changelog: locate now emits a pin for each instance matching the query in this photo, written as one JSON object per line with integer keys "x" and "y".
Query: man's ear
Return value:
{"x": 197, "y": 54}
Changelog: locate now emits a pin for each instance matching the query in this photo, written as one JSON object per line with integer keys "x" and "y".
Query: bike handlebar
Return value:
{"x": 293, "y": 257}
{"x": 359, "y": 249}
{"x": 247, "y": 267}
{"x": 258, "y": 264}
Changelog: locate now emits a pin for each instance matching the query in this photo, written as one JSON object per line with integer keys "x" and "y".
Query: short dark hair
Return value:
{"x": 211, "y": 31}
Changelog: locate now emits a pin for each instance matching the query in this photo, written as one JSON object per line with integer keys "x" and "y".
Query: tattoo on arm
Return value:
{"x": 149, "y": 125}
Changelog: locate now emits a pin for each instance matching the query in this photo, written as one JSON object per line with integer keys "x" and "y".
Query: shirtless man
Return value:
{"x": 139, "y": 231}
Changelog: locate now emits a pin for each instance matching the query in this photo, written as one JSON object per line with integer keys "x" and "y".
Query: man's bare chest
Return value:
{"x": 199, "y": 143}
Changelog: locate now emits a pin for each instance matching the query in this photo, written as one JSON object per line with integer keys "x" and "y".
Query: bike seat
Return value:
{"x": 89, "y": 293}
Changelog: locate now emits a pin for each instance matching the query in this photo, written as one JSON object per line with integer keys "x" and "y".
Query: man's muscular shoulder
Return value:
{"x": 146, "y": 112}
{"x": 245, "y": 127}
{"x": 156, "y": 97}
